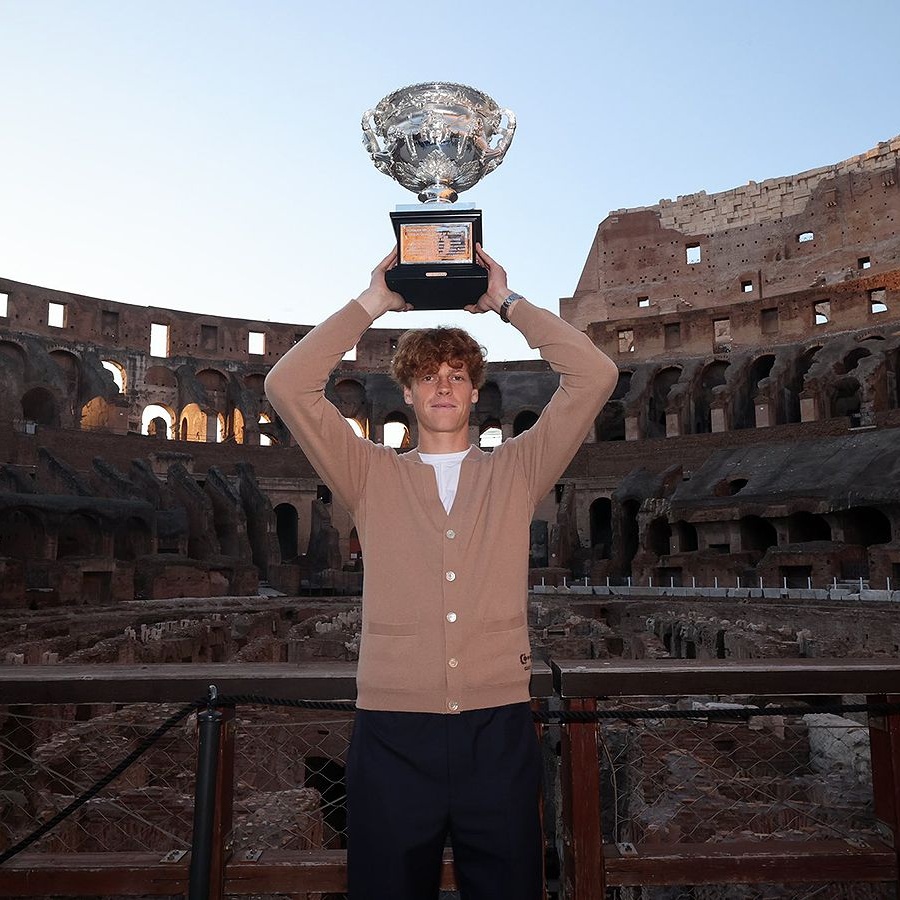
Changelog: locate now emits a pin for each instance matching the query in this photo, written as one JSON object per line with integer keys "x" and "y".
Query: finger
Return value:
{"x": 388, "y": 261}
{"x": 480, "y": 251}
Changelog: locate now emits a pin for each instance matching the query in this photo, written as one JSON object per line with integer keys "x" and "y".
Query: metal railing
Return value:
{"x": 667, "y": 792}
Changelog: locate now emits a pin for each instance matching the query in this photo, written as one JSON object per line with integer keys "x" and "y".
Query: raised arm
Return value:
{"x": 587, "y": 379}
{"x": 295, "y": 387}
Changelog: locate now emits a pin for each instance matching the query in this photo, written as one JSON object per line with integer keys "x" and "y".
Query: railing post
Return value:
{"x": 584, "y": 876}
{"x": 209, "y": 723}
{"x": 884, "y": 743}
{"x": 223, "y": 840}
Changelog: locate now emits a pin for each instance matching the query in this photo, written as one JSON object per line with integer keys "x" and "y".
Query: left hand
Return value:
{"x": 497, "y": 289}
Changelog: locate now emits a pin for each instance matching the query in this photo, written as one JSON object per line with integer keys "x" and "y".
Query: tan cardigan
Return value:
{"x": 445, "y": 595}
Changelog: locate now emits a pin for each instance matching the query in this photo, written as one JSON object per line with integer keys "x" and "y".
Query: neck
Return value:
{"x": 443, "y": 443}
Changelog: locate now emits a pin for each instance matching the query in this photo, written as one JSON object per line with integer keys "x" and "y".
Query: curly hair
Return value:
{"x": 422, "y": 350}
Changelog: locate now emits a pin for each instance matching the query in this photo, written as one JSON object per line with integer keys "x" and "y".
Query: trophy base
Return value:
{"x": 436, "y": 267}
{"x": 433, "y": 287}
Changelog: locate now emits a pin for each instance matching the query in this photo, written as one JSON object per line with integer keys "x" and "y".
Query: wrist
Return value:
{"x": 509, "y": 301}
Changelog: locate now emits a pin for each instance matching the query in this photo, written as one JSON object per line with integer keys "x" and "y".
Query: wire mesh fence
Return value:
{"x": 797, "y": 778}
{"x": 51, "y": 754}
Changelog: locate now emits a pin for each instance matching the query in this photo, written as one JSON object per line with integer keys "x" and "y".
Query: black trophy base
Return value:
{"x": 433, "y": 287}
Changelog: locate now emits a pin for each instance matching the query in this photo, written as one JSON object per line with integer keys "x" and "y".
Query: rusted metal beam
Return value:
{"x": 683, "y": 677}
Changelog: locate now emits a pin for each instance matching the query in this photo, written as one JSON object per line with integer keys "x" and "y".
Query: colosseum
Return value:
{"x": 750, "y": 438}
{"x": 734, "y": 501}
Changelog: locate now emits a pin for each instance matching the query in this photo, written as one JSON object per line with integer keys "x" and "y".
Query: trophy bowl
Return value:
{"x": 437, "y": 139}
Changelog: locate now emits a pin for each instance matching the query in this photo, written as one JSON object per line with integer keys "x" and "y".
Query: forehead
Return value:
{"x": 444, "y": 368}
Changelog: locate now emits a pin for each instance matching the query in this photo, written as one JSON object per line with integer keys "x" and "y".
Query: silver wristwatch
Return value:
{"x": 507, "y": 303}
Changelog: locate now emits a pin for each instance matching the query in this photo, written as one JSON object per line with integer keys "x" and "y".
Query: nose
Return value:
{"x": 443, "y": 384}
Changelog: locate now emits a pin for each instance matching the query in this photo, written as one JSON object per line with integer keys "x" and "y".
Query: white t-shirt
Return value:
{"x": 446, "y": 470}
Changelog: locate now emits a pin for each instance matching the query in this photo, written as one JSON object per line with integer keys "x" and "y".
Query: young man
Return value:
{"x": 443, "y": 742}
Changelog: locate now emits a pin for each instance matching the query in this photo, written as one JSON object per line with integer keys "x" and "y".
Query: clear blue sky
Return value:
{"x": 207, "y": 156}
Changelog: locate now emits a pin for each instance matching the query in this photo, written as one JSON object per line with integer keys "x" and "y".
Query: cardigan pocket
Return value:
{"x": 507, "y": 624}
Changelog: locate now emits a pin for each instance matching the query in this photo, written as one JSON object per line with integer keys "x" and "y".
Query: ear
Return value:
{"x": 474, "y": 395}
{"x": 407, "y": 396}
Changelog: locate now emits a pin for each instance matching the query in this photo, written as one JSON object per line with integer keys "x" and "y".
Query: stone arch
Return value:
{"x": 866, "y": 525}
{"x": 659, "y": 537}
{"x": 795, "y": 385}
{"x": 193, "y": 423}
{"x": 78, "y": 535}
{"x": 14, "y": 356}
{"x": 757, "y": 534}
{"x": 39, "y": 405}
{"x": 490, "y": 401}
{"x": 490, "y": 434}
{"x": 96, "y": 414}
{"x": 846, "y": 400}
{"x": 397, "y": 433}
{"x": 70, "y": 366}
{"x": 214, "y": 381}
{"x": 158, "y": 420}
{"x": 610, "y": 424}
{"x": 286, "y": 527}
{"x": 805, "y": 526}
{"x": 22, "y": 534}
{"x": 686, "y": 534}
{"x": 118, "y": 373}
{"x": 601, "y": 527}
{"x": 713, "y": 376}
{"x": 760, "y": 369}
{"x": 663, "y": 382}
{"x": 160, "y": 376}
{"x": 523, "y": 421}
{"x": 351, "y": 398}
{"x": 852, "y": 359}
{"x": 255, "y": 384}
{"x": 630, "y": 533}
{"x": 132, "y": 539}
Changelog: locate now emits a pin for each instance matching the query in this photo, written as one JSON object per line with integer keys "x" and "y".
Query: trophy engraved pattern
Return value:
{"x": 437, "y": 139}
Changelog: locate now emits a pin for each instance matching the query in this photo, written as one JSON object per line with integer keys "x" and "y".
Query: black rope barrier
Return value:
{"x": 546, "y": 717}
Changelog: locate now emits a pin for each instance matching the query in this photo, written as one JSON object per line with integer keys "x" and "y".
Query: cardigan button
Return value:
{"x": 452, "y": 705}
{"x": 450, "y": 533}
{"x": 450, "y": 576}
{"x": 453, "y": 662}
{"x": 451, "y": 616}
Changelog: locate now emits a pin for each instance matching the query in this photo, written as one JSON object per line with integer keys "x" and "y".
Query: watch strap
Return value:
{"x": 507, "y": 303}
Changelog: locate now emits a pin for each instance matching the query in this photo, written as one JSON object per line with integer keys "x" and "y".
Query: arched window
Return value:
{"x": 157, "y": 421}
{"x": 117, "y": 372}
{"x": 396, "y": 431}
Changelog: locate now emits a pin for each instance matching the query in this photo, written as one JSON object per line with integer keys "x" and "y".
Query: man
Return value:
{"x": 443, "y": 742}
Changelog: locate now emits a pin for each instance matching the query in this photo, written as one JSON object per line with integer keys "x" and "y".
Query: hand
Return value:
{"x": 378, "y": 298}
{"x": 497, "y": 289}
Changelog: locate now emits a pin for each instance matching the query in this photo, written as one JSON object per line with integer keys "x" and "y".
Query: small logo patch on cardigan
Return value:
{"x": 525, "y": 659}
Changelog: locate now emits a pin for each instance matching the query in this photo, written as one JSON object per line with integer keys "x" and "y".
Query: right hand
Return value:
{"x": 378, "y": 298}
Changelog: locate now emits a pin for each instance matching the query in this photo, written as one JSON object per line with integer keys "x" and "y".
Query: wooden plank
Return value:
{"x": 182, "y": 683}
{"x": 746, "y": 862}
{"x": 294, "y": 871}
{"x": 683, "y": 677}
{"x": 87, "y": 874}
{"x": 175, "y": 683}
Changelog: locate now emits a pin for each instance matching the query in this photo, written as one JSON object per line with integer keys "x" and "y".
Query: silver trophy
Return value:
{"x": 437, "y": 139}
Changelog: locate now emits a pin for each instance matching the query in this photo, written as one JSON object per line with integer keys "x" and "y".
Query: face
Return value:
{"x": 441, "y": 401}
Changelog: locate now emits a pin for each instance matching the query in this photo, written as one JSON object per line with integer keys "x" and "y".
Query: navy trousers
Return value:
{"x": 413, "y": 779}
